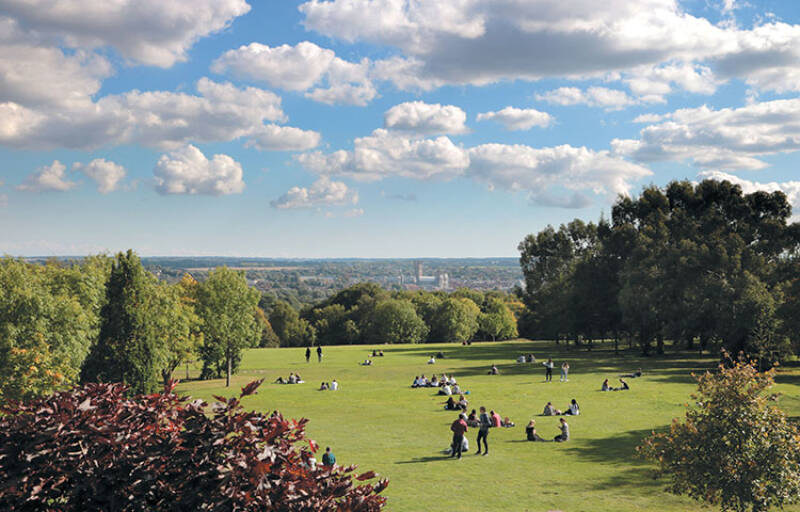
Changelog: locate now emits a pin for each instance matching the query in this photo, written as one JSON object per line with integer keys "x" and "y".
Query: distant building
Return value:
{"x": 441, "y": 280}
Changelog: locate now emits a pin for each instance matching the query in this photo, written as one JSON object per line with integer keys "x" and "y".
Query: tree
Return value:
{"x": 176, "y": 324}
{"x": 228, "y": 308}
{"x": 455, "y": 320}
{"x": 395, "y": 321}
{"x": 498, "y": 321}
{"x": 128, "y": 349}
{"x": 268, "y": 336}
{"x": 292, "y": 331}
{"x": 104, "y": 450}
{"x": 735, "y": 448}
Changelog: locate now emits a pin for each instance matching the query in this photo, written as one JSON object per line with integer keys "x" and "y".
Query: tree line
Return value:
{"x": 104, "y": 319}
{"x": 696, "y": 264}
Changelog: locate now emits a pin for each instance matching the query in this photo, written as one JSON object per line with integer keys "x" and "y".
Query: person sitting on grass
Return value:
{"x": 445, "y": 390}
{"x": 459, "y": 428}
{"x": 573, "y": 410}
{"x": 637, "y": 373}
{"x": 549, "y": 410}
{"x": 472, "y": 419}
{"x": 434, "y": 383}
{"x": 495, "y": 419}
{"x": 323, "y": 386}
{"x": 521, "y": 359}
{"x": 374, "y": 353}
{"x": 450, "y": 404}
{"x": 507, "y": 422}
{"x": 462, "y": 403}
{"x": 380, "y": 353}
{"x": 367, "y": 362}
{"x": 292, "y": 379}
{"x": 416, "y": 382}
{"x": 439, "y": 355}
{"x": 432, "y": 360}
{"x": 623, "y": 387}
{"x": 451, "y": 380}
{"x": 494, "y": 370}
{"x": 530, "y": 432}
{"x": 605, "y": 386}
{"x": 564, "y": 436}
{"x": 334, "y": 385}
{"x": 456, "y": 390}
{"x": 464, "y": 446}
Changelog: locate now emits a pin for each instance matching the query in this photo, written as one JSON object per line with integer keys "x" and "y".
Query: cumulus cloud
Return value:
{"x": 323, "y": 192}
{"x": 518, "y": 118}
{"x": 610, "y": 99}
{"x": 105, "y": 173}
{"x": 653, "y": 45}
{"x": 790, "y": 188}
{"x": 724, "y": 139}
{"x": 417, "y": 117}
{"x": 48, "y": 178}
{"x": 160, "y": 119}
{"x": 188, "y": 171}
{"x": 150, "y": 32}
{"x": 303, "y": 67}
{"x": 383, "y": 154}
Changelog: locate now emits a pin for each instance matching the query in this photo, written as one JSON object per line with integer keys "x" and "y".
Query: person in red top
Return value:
{"x": 459, "y": 428}
{"x": 496, "y": 421}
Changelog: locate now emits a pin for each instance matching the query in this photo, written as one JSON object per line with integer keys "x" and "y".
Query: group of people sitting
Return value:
{"x": 421, "y": 381}
{"x": 453, "y": 405}
{"x": 434, "y": 357}
{"x": 473, "y": 420}
{"x": 377, "y": 353}
{"x": 572, "y": 410}
{"x": 526, "y": 358}
{"x": 331, "y": 386}
{"x": 294, "y": 378}
{"x": 367, "y": 362}
{"x": 606, "y": 387}
{"x": 532, "y": 435}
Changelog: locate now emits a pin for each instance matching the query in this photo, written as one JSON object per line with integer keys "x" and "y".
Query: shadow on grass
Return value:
{"x": 421, "y": 460}
{"x": 616, "y": 449}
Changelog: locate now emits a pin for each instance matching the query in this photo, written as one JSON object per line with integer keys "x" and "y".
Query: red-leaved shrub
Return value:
{"x": 94, "y": 449}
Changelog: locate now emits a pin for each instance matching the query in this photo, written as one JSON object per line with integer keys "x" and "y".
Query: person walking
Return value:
{"x": 459, "y": 428}
{"x": 319, "y": 353}
{"x": 564, "y": 371}
{"x": 484, "y": 424}
{"x": 548, "y": 370}
{"x": 308, "y": 354}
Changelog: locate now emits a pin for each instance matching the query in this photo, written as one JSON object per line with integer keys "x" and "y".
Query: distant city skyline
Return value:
{"x": 376, "y": 128}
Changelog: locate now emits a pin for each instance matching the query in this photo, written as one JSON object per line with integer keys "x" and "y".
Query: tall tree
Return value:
{"x": 455, "y": 320}
{"x": 497, "y": 321}
{"x": 227, "y": 306}
{"x": 395, "y": 321}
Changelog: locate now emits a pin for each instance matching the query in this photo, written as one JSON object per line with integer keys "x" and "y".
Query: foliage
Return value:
{"x": 176, "y": 324}
{"x": 227, "y": 307}
{"x": 455, "y": 320}
{"x": 735, "y": 447}
{"x": 396, "y": 321}
{"x": 292, "y": 331}
{"x": 497, "y": 321}
{"x": 91, "y": 448}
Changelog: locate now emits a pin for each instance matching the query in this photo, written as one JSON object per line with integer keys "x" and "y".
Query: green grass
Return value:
{"x": 377, "y": 421}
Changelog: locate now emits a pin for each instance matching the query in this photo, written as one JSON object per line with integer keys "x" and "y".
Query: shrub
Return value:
{"x": 94, "y": 448}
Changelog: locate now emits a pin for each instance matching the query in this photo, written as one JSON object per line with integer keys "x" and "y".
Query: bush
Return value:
{"x": 92, "y": 448}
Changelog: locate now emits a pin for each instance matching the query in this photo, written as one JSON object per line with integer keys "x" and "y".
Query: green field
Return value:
{"x": 376, "y": 420}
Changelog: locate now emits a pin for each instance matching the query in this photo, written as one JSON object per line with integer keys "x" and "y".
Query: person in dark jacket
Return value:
{"x": 459, "y": 428}
{"x": 308, "y": 354}
{"x": 328, "y": 458}
{"x": 484, "y": 424}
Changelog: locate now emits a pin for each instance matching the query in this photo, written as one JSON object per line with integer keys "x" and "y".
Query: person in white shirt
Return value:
{"x": 334, "y": 385}
{"x": 431, "y": 360}
{"x": 452, "y": 380}
{"x": 456, "y": 390}
{"x": 445, "y": 390}
{"x": 573, "y": 410}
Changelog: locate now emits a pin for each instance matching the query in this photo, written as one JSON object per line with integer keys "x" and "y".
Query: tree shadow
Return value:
{"x": 614, "y": 449}
{"x": 422, "y": 460}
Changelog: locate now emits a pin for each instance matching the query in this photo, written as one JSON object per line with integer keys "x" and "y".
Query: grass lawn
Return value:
{"x": 376, "y": 420}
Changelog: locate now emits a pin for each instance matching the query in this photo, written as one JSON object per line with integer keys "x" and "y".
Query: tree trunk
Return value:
{"x": 616, "y": 343}
{"x": 660, "y": 344}
{"x": 228, "y": 373}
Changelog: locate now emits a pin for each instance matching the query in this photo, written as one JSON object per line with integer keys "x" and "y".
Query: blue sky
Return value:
{"x": 376, "y": 128}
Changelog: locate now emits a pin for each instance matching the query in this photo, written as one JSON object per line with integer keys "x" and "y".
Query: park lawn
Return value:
{"x": 376, "y": 420}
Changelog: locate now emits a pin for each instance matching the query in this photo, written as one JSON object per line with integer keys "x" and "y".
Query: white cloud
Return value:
{"x": 188, "y": 171}
{"x": 272, "y": 137}
{"x": 610, "y": 99}
{"x": 648, "y": 118}
{"x": 151, "y": 32}
{"x": 48, "y": 178}
{"x": 790, "y": 188}
{"x": 105, "y": 173}
{"x": 323, "y": 192}
{"x": 520, "y": 167}
{"x": 651, "y": 44}
{"x": 301, "y": 68}
{"x": 518, "y": 118}
{"x": 385, "y": 154}
{"x": 417, "y": 117}
{"x": 725, "y": 139}
{"x": 160, "y": 119}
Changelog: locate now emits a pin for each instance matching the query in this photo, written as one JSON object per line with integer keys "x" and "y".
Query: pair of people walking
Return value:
{"x": 319, "y": 353}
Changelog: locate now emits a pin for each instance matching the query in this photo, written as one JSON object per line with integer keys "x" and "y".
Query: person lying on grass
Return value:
{"x": 549, "y": 410}
{"x": 623, "y": 387}
{"x": 530, "y": 432}
{"x": 564, "y": 435}
{"x": 637, "y": 373}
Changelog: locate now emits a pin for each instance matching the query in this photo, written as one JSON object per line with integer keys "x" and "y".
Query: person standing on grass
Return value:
{"x": 564, "y": 371}
{"x": 308, "y": 354}
{"x": 328, "y": 458}
{"x": 484, "y": 424}
{"x": 459, "y": 428}
{"x": 319, "y": 353}
{"x": 548, "y": 370}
